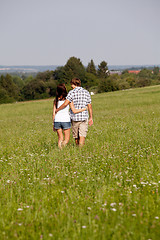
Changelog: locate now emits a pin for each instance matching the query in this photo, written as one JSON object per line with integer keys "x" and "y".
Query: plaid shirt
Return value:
{"x": 80, "y": 98}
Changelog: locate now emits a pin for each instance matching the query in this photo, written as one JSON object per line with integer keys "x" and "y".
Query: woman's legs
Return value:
{"x": 60, "y": 137}
{"x": 66, "y": 136}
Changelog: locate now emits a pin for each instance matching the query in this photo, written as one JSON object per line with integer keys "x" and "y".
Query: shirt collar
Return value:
{"x": 77, "y": 87}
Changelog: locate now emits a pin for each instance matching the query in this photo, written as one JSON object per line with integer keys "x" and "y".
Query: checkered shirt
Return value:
{"x": 80, "y": 98}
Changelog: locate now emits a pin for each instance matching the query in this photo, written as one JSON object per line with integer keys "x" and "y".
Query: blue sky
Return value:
{"x": 49, "y": 32}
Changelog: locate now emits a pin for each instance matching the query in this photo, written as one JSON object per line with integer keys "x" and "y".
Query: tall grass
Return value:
{"x": 107, "y": 190}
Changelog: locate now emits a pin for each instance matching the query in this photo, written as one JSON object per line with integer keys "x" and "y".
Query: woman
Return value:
{"x": 61, "y": 120}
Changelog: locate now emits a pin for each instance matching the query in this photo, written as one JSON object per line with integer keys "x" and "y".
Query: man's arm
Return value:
{"x": 62, "y": 106}
{"x": 90, "y": 114}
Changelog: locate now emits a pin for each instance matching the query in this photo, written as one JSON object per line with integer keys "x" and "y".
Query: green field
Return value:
{"x": 107, "y": 190}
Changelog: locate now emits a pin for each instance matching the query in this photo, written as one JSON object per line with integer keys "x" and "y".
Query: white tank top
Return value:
{"x": 63, "y": 115}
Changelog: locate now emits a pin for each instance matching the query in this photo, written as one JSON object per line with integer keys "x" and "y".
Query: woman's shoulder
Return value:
{"x": 63, "y": 100}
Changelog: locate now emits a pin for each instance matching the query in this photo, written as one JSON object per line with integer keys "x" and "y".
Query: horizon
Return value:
{"x": 36, "y": 65}
{"x": 34, "y": 69}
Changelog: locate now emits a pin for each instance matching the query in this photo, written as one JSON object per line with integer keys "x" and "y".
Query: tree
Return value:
{"x": 74, "y": 68}
{"x": 28, "y": 79}
{"x": 108, "y": 84}
{"x": 45, "y": 76}
{"x": 59, "y": 74}
{"x": 102, "y": 70}
{"x": 4, "y": 98}
{"x": 91, "y": 68}
{"x": 7, "y": 83}
{"x": 131, "y": 80}
{"x": 33, "y": 90}
{"x": 18, "y": 81}
{"x": 155, "y": 70}
{"x": 51, "y": 87}
{"x": 125, "y": 72}
{"x": 91, "y": 80}
{"x": 42, "y": 86}
{"x": 145, "y": 73}
{"x": 144, "y": 78}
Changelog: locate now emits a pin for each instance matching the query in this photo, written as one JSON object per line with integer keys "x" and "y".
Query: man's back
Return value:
{"x": 80, "y": 98}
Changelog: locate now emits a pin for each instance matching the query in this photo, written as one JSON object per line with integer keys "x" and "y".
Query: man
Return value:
{"x": 80, "y": 98}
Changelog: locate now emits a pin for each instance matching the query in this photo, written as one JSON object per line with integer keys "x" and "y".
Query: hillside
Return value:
{"x": 107, "y": 190}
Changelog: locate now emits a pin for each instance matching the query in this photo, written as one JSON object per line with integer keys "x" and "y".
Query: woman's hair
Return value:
{"x": 76, "y": 82}
{"x": 61, "y": 92}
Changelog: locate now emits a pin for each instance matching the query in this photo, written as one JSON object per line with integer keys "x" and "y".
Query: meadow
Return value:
{"x": 109, "y": 189}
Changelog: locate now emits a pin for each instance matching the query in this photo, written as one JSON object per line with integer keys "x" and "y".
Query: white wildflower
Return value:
{"x": 112, "y": 204}
{"x": 144, "y": 183}
{"x": 19, "y": 209}
{"x": 114, "y": 209}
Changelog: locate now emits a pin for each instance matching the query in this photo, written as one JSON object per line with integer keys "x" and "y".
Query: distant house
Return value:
{"x": 115, "y": 72}
{"x": 134, "y": 71}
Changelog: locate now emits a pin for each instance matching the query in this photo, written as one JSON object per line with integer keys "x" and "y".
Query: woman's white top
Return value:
{"x": 63, "y": 115}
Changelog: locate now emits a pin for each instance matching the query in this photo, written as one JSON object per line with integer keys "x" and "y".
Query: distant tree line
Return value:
{"x": 96, "y": 79}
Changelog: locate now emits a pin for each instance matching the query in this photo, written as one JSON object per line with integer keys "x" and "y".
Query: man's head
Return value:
{"x": 75, "y": 82}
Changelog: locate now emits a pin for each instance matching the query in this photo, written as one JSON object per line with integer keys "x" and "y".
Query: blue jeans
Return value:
{"x": 62, "y": 125}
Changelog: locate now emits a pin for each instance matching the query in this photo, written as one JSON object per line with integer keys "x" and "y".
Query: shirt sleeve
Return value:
{"x": 88, "y": 98}
{"x": 70, "y": 96}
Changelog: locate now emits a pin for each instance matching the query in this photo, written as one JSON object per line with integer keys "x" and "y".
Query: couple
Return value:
{"x": 79, "y": 101}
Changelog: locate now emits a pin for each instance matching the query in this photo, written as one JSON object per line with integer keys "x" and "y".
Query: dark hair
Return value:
{"x": 76, "y": 82}
{"x": 61, "y": 93}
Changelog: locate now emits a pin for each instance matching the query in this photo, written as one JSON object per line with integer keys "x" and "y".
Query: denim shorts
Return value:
{"x": 63, "y": 125}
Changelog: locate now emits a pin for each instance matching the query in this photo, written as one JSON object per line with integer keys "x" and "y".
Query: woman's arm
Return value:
{"x": 54, "y": 109}
{"x": 74, "y": 110}
{"x": 53, "y": 115}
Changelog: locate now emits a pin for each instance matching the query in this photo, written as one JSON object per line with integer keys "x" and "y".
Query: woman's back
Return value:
{"x": 62, "y": 115}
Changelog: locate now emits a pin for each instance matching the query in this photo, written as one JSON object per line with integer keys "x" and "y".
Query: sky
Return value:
{"x": 49, "y": 32}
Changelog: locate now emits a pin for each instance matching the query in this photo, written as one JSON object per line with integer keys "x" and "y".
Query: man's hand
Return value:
{"x": 90, "y": 122}
{"x": 56, "y": 111}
